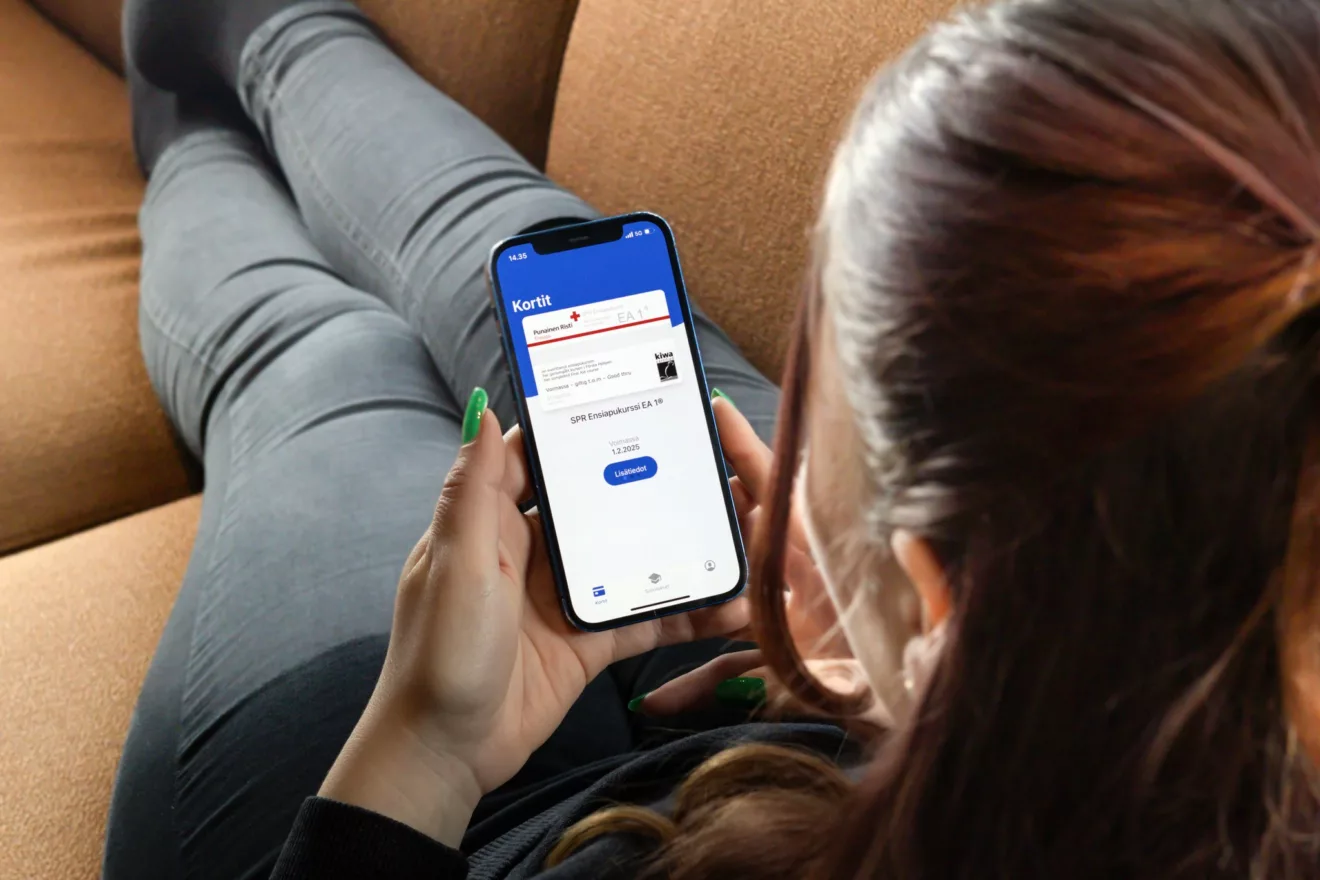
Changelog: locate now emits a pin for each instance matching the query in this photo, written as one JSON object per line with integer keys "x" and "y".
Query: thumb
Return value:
{"x": 467, "y": 515}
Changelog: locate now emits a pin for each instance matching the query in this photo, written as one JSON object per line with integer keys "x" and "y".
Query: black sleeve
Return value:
{"x": 331, "y": 840}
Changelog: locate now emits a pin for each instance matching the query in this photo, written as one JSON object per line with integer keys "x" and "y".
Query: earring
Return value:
{"x": 920, "y": 656}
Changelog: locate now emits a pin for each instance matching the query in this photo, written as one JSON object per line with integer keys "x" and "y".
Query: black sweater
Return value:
{"x": 331, "y": 841}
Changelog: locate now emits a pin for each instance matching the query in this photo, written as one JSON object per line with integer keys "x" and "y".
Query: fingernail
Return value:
{"x": 476, "y": 408}
{"x": 715, "y": 392}
{"x": 741, "y": 692}
{"x": 635, "y": 704}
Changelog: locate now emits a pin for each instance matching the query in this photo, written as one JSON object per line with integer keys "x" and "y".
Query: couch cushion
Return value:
{"x": 94, "y": 23}
{"x": 82, "y": 440}
{"x": 499, "y": 59}
{"x": 722, "y": 118}
{"x": 79, "y": 621}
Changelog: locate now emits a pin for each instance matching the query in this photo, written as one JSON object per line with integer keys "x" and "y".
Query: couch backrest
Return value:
{"x": 82, "y": 439}
{"x": 499, "y": 58}
{"x": 94, "y": 23}
{"x": 721, "y": 116}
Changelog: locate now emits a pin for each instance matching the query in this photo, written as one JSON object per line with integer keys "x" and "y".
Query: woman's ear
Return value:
{"x": 923, "y": 568}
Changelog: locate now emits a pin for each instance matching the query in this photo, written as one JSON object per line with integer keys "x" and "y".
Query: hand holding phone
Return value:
{"x": 622, "y": 446}
{"x": 482, "y": 666}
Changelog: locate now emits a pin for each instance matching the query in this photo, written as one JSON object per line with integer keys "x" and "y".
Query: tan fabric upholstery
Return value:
{"x": 94, "y": 23}
{"x": 721, "y": 116}
{"x": 82, "y": 439}
{"x": 79, "y": 620}
{"x": 498, "y": 58}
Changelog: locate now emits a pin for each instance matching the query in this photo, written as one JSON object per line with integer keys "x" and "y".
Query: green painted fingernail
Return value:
{"x": 741, "y": 692}
{"x": 476, "y": 408}
{"x": 635, "y": 704}
{"x": 715, "y": 392}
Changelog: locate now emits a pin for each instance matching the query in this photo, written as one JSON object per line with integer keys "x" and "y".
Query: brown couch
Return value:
{"x": 718, "y": 114}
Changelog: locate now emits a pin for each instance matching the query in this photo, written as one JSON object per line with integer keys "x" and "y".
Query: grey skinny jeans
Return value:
{"x": 313, "y": 315}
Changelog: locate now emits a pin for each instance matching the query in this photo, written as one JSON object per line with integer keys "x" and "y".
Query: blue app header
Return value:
{"x": 532, "y": 283}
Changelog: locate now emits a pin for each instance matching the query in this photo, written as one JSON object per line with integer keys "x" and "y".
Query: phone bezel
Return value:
{"x": 573, "y": 237}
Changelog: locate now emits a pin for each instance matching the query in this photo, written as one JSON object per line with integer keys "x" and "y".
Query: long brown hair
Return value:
{"x": 1070, "y": 253}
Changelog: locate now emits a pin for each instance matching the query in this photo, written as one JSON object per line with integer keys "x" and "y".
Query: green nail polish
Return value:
{"x": 715, "y": 392}
{"x": 635, "y": 704}
{"x": 741, "y": 692}
{"x": 476, "y": 408}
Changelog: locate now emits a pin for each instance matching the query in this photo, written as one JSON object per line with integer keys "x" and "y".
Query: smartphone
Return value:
{"x": 621, "y": 440}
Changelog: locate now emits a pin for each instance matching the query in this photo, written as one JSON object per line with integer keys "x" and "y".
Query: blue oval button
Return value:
{"x": 630, "y": 471}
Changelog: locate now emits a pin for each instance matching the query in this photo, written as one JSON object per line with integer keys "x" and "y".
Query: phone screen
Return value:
{"x": 621, "y": 437}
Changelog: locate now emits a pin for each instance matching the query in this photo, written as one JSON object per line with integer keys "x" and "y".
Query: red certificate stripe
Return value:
{"x": 594, "y": 332}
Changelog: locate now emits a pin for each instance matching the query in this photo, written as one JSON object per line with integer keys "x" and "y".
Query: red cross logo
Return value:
{"x": 575, "y": 316}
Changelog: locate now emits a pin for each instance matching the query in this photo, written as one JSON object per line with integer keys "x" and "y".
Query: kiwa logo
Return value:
{"x": 528, "y": 305}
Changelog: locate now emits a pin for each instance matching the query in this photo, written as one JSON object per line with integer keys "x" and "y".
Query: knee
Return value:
{"x": 323, "y": 366}
{"x": 280, "y": 349}
{"x": 338, "y": 349}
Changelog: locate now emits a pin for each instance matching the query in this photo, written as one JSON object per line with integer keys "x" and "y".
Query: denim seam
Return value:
{"x": 154, "y": 320}
{"x": 221, "y": 517}
{"x": 173, "y": 340}
{"x": 206, "y": 567}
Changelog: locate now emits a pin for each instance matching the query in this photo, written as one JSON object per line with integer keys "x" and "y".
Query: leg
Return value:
{"x": 406, "y": 195}
{"x": 405, "y": 192}
{"x": 325, "y": 434}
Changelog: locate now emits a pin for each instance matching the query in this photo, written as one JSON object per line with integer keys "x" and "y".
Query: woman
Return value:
{"x": 1059, "y": 363}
